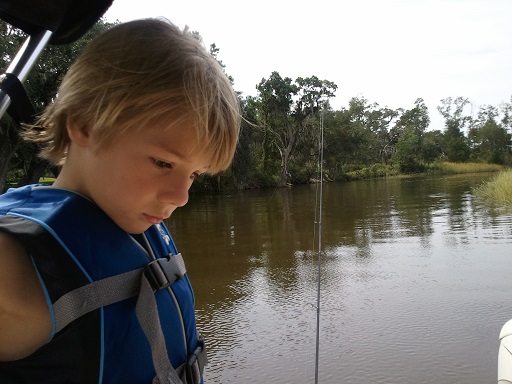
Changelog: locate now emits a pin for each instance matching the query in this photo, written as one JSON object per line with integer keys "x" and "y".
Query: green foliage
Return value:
{"x": 489, "y": 140}
{"x": 408, "y": 151}
{"x": 454, "y": 144}
{"x": 431, "y": 146}
{"x": 243, "y": 166}
{"x": 303, "y": 172}
{"x": 264, "y": 179}
{"x": 415, "y": 119}
{"x": 370, "y": 172}
{"x": 456, "y": 149}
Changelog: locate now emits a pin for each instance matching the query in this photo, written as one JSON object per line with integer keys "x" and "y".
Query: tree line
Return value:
{"x": 280, "y": 134}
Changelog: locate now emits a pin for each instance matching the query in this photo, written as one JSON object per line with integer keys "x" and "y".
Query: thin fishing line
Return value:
{"x": 315, "y": 221}
{"x": 270, "y": 198}
{"x": 317, "y": 350}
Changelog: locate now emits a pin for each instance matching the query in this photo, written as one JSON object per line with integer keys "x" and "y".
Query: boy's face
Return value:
{"x": 142, "y": 176}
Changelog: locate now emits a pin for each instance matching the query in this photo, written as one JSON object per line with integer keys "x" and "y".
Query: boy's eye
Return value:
{"x": 162, "y": 164}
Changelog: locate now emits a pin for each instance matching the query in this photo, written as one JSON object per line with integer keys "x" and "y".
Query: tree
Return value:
{"x": 431, "y": 146}
{"x": 243, "y": 161}
{"x": 455, "y": 120}
{"x": 416, "y": 118}
{"x": 407, "y": 152}
{"x": 377, "y": 122}
{"x": 345, "y": 142}
{"x": 214, "y": 51}
{"x": 275, "y": 106}
{"x": 381, "y": 121}
{"x": 506, "y": 110}
{"x": 410, "y": 129}
{"x": 284, "y": 107}
{"x": 454, "y": 145}
{"x": 490, "y": 140}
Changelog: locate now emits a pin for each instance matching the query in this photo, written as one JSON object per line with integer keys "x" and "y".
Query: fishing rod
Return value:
{"x": 317, "y": 350}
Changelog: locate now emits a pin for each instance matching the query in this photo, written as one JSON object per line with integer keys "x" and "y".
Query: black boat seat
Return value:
{"x": 45, "y": 22}
{"x": 68, "y": 20}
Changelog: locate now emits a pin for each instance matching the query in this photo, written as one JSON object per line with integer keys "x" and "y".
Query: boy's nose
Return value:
{"x": 175, "y": 192}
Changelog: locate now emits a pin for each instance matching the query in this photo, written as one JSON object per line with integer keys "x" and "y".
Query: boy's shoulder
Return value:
{"x": 25, "y": 324}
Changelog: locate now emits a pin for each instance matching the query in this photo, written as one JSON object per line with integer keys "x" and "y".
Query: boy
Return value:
{"x": 92, "y": 289}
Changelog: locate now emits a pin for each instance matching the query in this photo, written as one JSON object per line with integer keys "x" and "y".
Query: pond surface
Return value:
{"x": 416, "y": 282}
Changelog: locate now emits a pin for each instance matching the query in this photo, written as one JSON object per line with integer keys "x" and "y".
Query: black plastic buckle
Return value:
{"x": 197, "y": 352}
{"x": 162, "y": 272}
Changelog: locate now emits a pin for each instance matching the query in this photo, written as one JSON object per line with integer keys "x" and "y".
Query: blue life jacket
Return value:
{"x": 72, "y": 243}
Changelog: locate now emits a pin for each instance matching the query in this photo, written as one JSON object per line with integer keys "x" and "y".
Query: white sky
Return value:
{"x": 389, "y": 51}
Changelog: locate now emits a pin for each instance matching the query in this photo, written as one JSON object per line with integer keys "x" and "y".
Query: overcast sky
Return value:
{"x": 389, "y": 51}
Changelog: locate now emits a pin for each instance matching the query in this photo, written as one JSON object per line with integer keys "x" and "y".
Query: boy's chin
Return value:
{"x": 135, "y": 228}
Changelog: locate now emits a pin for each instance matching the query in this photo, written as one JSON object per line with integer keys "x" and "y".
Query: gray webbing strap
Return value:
{"x": 147, "y": 314}
{"x": 143, "y": 282}
{"x": 110, "y": 290}
{"x": 83, "y": 300}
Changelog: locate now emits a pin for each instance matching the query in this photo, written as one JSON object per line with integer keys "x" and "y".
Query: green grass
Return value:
{"x": 497, "y": 191}
{"x": 445, "y": 167}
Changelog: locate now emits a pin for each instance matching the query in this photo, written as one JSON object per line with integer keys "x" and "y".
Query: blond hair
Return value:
{"x": 138, "y": 74}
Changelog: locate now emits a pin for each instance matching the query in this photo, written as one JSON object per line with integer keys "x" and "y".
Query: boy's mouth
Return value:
{"x": 153, "y": 219}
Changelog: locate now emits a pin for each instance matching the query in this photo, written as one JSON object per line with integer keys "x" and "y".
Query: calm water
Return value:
{"x": 416, "y": 282}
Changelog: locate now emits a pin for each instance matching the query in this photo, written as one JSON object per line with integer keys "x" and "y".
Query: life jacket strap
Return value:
{"x": 142, "y": 282}
{"x": 147, "y": 313}
{"x": 192, "y": 371}
{"x": 110, "y": 290}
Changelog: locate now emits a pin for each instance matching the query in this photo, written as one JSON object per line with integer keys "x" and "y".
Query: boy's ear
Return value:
{"x": 78, "y": 133}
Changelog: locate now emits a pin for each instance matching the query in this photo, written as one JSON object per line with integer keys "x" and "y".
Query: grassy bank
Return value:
{"x": 438, "y": 168}
{"x": 497, "y": 191}
{"x": 446, "y": 168}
